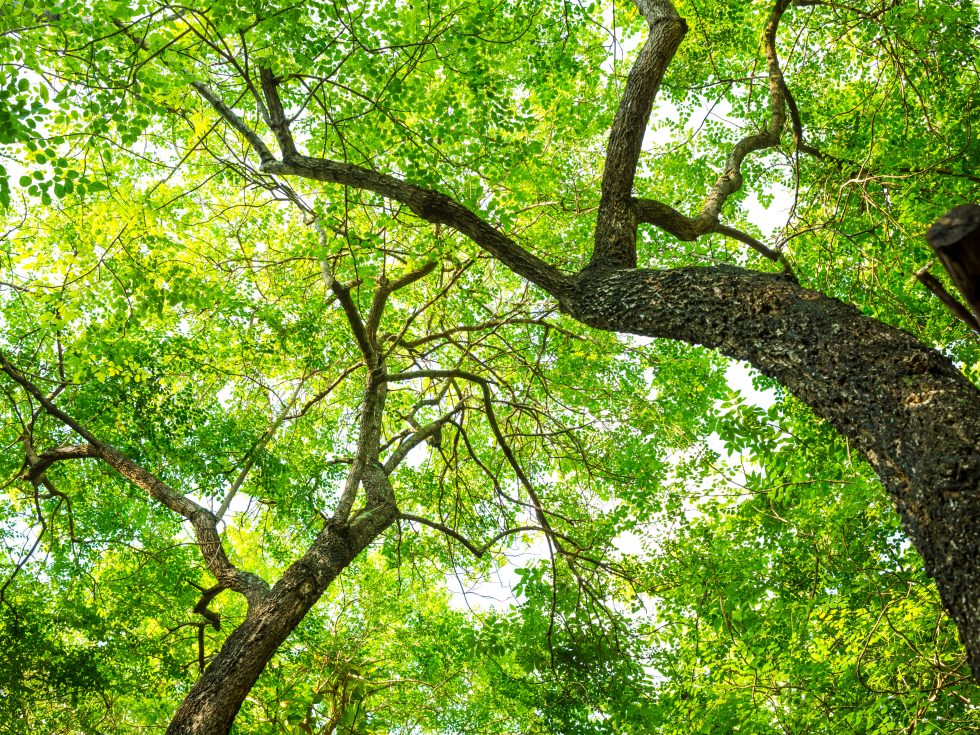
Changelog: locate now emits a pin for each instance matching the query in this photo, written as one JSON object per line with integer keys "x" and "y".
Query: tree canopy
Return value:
{"x": 368, "y": 368}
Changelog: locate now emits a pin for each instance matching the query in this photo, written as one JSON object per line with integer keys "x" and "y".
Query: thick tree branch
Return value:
{"x": 903, "y": 405}
{"x": 368, "y": 443}
{"x": 353, "y": 314}
{"x": 213, "y": 703}
{"x": 277, "y": 116}
{"x": 668, "y": 219}
{"x": 39, "y": 464}
{"x": 955, "y": 238}
{"x": 690, "y": 228}
{"x": 949, "y": 301}
{"x": 432, "y": 206}
{"x": 615, "y": 231}
{"x": 619, "y": 212}
{"x": 226, "y": 682}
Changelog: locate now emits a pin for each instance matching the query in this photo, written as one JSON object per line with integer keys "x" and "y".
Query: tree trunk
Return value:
{"x": 903, "y": 405}
{"x": 214, "y": 701}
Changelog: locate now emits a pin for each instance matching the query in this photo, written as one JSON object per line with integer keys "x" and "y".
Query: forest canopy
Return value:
{"x": 468, "y": 366}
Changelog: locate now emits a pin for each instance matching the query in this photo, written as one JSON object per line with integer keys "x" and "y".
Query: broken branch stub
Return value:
{"x": 955, "y": 238}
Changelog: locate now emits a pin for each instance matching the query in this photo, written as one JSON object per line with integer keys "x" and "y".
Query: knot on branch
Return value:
{"x": 378, "y": 491}
{"x": 431, "y": 205}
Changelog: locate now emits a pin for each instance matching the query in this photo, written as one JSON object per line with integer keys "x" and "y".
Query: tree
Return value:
{"x": 175, "y": 315}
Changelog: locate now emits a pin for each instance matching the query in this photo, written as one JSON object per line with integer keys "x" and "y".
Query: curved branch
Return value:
{"x": 39, "y": 464}
{"x": 688, "y": 229}
{"x": 432, "y": 206}
{"x": 428, "y": 204}
{"x": 730, "y": 180}
{"x": 903, "y": 405}
{"x": 477, "y": 551}
{"x": 759, "y": 247}
{"x": 619, "y": 213}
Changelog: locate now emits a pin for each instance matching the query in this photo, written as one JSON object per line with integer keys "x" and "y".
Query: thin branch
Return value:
{"x": 494, "y": 324}
{"x": 417, "y": 437}
{"x": 202, "y": 609}
{"x": 951, "y": 302}
{"x": 494, "y": 428}
{"x": 326, "y": 391}
{"x": 232, "y": 118}
{"x": 477, "y": 551}
{"x": 386, "y": 288}
{"x": 796, "y": 122}
{"x": 353, "y": 314}
{"x": 48, "y": 405}
{"x": 688, "y": 229}
{"x": 254, "y": 452}
{"x": 759, "y": 247}
{"x": 203, "y": 521}
{"x": 26, "y": 557}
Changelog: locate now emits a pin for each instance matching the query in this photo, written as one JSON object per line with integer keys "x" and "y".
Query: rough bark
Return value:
{"x": 214, "y": 701}
{"x": 903, "y": 405}
{"x": 615, "y": 230}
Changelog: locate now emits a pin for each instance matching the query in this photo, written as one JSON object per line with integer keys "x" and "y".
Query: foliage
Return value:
{"x": 712, "y": 558}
